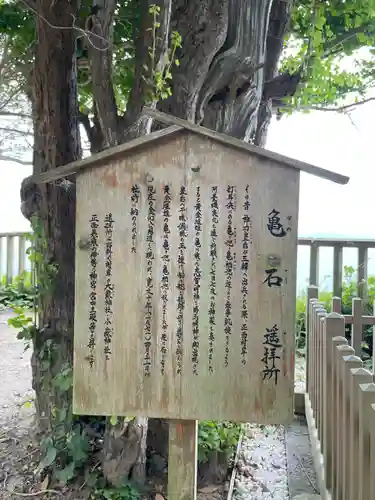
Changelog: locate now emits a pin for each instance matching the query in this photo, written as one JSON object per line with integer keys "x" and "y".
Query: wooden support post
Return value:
{"x": 312, "y": 295}
{"x": 337, "y": 271}
{"x": 314, "y": 265}
{"x": 182, "y": 460}
{"x": 10, "y": 259}
{"x": 362, "y": 275}
{"x": 357, "y": 326}
{"x": 21, "y": 254}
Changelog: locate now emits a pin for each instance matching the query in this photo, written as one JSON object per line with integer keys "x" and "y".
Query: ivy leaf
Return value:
{"x": 66, "y": 474}
{"x": 48, "y": 459}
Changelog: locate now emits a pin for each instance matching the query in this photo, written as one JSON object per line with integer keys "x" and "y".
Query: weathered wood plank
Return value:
{"x": 183, "y": 459}
{"x": 175, "y": 388}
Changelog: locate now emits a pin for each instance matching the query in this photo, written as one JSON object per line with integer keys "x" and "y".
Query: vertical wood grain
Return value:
{"x": 236, "y": 388}
{"x": 182, "y": 460}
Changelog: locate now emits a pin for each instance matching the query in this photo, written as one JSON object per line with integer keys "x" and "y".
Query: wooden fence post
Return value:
{"x": 320, "y": 379}
{"x": 314, "y": 304}
{"x": 182, "y": 460}
{"x": 356, "y": 377}
{"x": 333, "y": 325}
{"x": 316, "y": 309}
{"x": 337, "y": 341}
{"x": 312, "y": 295}
{"x": 347, "y": 363}
{"x": 365, "y": 414}
{"x": 341, "y": 350}
{"x": 336, "y": 305}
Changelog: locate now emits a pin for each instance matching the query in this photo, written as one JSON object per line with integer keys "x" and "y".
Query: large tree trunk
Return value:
{"x": 56, "y": 142}
{"x": 226, "y": 80}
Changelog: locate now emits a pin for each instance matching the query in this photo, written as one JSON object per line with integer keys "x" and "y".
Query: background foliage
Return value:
{"x": 349, "y": 291}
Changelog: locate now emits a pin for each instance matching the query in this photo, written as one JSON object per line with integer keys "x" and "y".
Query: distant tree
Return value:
{"x": 226, "y": 64}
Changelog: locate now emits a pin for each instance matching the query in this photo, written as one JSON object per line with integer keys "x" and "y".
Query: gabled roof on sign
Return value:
{"x": 177, "y": 125}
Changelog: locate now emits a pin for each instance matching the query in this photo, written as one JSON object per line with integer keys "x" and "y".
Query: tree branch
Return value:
{"x": 101, "y": 70}
{"x": 130, "y": 125}
{"x": 16, "y": 131}
{"x": 15, "y": 160}
{"x": 346, "y": 107}
{"x": 16, "y": 115}
{"x": 203, "y": 27}
{"x": 334, "y": 44}
{"x": 338, "y": 109}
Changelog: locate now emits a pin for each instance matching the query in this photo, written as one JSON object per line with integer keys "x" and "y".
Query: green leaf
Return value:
{"x": 49, "y": 458}
{"x": 66, "y": 474}
{"x": 113, "y": 420}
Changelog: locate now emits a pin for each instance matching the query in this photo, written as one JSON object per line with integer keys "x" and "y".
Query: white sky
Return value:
{"x": 325, "y": 139}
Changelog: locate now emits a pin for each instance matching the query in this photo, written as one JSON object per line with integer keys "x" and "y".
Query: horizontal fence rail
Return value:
{"x": 340, "y": 401}
{"x": 13, "y": 259}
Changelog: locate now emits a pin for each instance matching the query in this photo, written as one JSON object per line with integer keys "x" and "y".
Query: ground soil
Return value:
{"x": 19, "y": 455}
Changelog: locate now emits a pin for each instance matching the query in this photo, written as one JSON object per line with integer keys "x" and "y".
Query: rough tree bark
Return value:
{"x": 56, "y": 142}
{"x": 227, "y": 80}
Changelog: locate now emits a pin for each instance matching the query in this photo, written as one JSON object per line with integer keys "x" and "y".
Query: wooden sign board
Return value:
{"x": 185, "y": 284}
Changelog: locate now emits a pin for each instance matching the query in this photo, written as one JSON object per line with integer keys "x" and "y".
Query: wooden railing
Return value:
{"x": 338, "y": 246}
{"x": 340, "y": 402}
{"x": 13, "y": 258}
